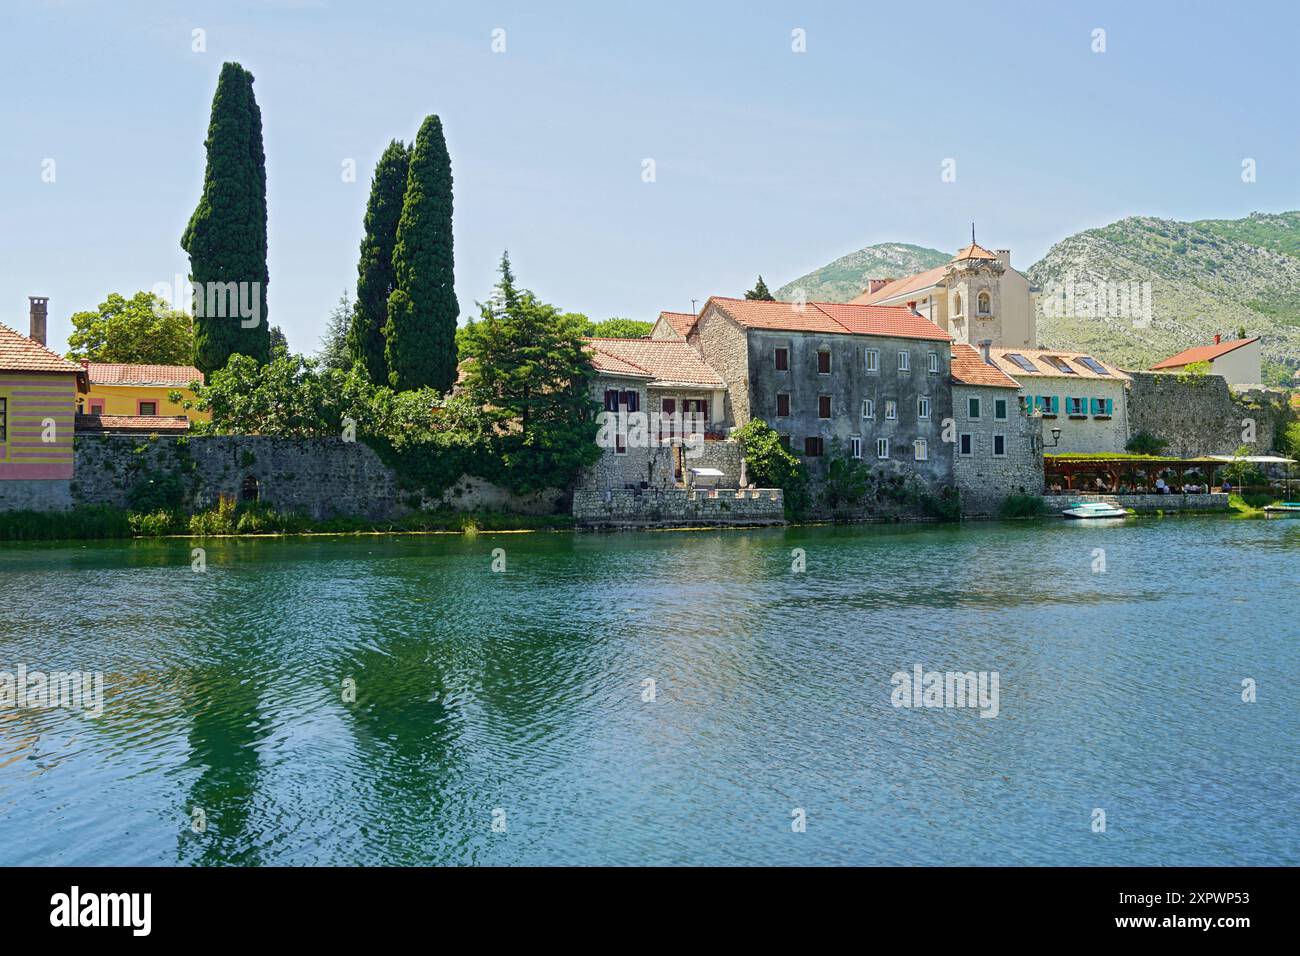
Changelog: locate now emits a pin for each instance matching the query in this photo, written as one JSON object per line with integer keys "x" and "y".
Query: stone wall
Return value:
{"x": 984, "y": 478}
{"x": 1200, "y": 415}
{"x": 676, "y": 507}
{"x": 320, "y": 477}
{"x": 35, "y": 494}
{"x": 1212, "y": 501}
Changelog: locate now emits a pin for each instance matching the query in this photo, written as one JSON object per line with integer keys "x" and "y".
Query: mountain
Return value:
{"x": 1206, "y": 277}
{"x": 847, "y": 276}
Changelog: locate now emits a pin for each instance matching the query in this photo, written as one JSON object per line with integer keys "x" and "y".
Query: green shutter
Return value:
{"x": 1110, "y": 405}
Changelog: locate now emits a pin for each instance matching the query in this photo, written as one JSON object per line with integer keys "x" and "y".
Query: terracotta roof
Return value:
{"x": 1042, "y": 368}
{"x": 912, "y": 283}
{"x": 135, "y": 424}
{"x": 172, "y": 376}
{"x": 1202, "y": 353}
{"x": 974, "y": 251}
{"x": 681, "y": 322}
{"x": 895, "y": 321}
{"x": 969, "y": 368}
{"x": 18, "y": 353}
{"x": 664, "y": 361}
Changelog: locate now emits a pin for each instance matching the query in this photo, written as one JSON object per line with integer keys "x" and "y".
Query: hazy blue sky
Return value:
{"x": 767, "y": 160}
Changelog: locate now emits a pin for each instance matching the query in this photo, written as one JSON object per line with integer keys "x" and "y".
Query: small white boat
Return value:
{"x": 1094, "y": 509}
{"x": 1284, "y": 509}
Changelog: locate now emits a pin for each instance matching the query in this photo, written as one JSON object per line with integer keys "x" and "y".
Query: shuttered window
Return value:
{"x": 4, "y": 420}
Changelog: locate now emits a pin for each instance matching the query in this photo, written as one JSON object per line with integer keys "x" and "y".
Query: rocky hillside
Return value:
{"x": 847, "y": 276}
{"x": 1204, "y": 277}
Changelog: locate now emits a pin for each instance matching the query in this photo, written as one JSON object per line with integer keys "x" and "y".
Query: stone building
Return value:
{"x": 672, "y": 325}
{"x": 976, "y": 296}
{"x": 1083, "y": 398}
{"x": 997, "y": 440}
{"x": 870, "y": 381}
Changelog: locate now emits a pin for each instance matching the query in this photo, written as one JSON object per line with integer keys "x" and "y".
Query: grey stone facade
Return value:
{"x": 31, "y": 494}
{"x": 983, "y": 475}
{"x": 677, "y": 507}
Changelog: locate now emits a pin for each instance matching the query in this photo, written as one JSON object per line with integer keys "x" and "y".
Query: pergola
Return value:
{"x": 1082, "y": 472}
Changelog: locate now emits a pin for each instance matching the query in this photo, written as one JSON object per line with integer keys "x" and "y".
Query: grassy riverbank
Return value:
{"x": 100, "y": 522}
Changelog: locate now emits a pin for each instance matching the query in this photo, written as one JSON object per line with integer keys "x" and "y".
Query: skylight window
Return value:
{"x": 1023, "y": 362}
{"x": 1091, "y": 363}
{"x": 1060, "y": 364}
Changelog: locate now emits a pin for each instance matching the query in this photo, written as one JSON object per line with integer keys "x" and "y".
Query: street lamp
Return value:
{"x": 1056, "y": 439}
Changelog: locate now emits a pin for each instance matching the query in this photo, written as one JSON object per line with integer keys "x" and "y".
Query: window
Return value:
{"x": 1101, "y": 407}
{"x": 882, "y": 448}
{"x": 147, "y": 408}
{"x": 999, "y": 446}
{"x": 1092, "y": 364}
{"x": 872, "y": 360}
{"x": 1048, "y": 405}
{"x": 1060, "y": 364}
{"x": 1074, "y": 407}
{"x": 824, "y": 362}
{"x": 934, "y": 361}
{"x": 868, "y": 408}
{"x": 855, "y": 446}
{"x": 973, "y": 407}
{"x": 611, "y": 400}
{"x": 823, "y": 406}
{"x": 966, "y": 444}
{"x": 1000, "y": 409}
{"x": 96, "y": 406}
{"x": 922, "y": 408}
{"x": 982, "y": 304}
{"x": 4, "y": 419}
{"x": 891, "y": 411}
{"x": 812, "y": 447}
{"x": 904, "y": 360}
{"x": 782, "y": 405}
{"x": 632, "y": 400}
{"x": 1023, "y": 362}
{"x": 782, "y": 359}
{"x": 956, "y": 304}
{"x": 921, "y": 449}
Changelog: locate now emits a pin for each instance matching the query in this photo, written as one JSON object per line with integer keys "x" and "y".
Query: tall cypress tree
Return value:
{"x": 226, "y": 236}
{"x": 759, "y": 292}
{"x": 420, "y": 337}
{"x": 375, "y": 277}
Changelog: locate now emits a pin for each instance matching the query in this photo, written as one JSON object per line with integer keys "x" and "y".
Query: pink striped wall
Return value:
{"x": 30, "y": 399}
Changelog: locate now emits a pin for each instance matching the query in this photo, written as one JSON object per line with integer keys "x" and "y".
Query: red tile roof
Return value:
{"x": 135, "y": 424}
{"x": 664, "y": 361}
{"x": 969, "y": 368}
{"x": 1043, "y": 368}
{"x": 18, "y": 353}
{"x": 974, "y": 251}
{"x": 895, "y": 321}
{"x": 912, "y": 283}
{"x": 172, "y": 376}
{"x": 681, "y": 322}
{"x": 1202, "y": 353}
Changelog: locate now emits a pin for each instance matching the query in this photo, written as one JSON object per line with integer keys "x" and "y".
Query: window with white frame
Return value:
{"x": 855, "y": 446}
{"x": 934, "y": 361}
{"x": 868, "y": 408}
{"x": 921, "y": 449}
{"x": 1000, "y": 409}
{"x": 922, "y": 408}
{"x": 904, "y": 360}
{"x": 973, "y": 407}
{"x": 872, "y": 360}
{"x": 882, "y": 448}
{"x": 891, "y": 410}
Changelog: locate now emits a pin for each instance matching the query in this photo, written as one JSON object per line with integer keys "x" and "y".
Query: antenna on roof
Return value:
{"x": 972, "y": 233}
{"x": 693, "y": 310}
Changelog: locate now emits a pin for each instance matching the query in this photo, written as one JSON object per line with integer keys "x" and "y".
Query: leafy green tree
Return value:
{"x": 420, "y": 334}
{"x": 279, "y": 342}
{"x": 759, "y": 292}
{"x": 769, "y": 464}
{"x": 139, "y": 330}
{"x": 226, "y": 235}
{"x": 1145, "y": 443}
{"x": 375, "y": 277}
{"x": 532, "y": 376}
{"x": 335, "y": 351}
{"x": 847, "y": 479}
{"x": 620, "y": 329}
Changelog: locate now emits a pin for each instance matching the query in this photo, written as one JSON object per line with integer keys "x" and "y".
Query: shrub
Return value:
{"x": 1145, "y": 443}
{"x": 771, "y": 465}
{"x": 1022, "y": 506}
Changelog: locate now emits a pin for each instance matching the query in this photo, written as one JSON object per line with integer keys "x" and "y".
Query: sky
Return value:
{"x": 765, "y": 160}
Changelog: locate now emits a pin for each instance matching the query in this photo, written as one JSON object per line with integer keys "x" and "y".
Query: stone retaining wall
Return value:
{"x": 676, "y": 507}
{"x": 1211, "y": 501}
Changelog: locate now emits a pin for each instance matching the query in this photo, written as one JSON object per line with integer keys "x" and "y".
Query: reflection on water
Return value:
{"x": 518, "y": 698}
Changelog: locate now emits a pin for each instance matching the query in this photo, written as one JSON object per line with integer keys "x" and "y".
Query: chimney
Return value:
{"x": 984, "y": 349}
{"x": 1217, "y": 338}
{"x": 1004, "y": 256}
{"x": 875, "y": 285}
{"x": 911, "y": 307}
{"x": 39, "y": 305}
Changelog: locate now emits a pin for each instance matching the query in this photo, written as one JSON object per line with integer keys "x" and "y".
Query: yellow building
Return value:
{"x": 139, "y": 390}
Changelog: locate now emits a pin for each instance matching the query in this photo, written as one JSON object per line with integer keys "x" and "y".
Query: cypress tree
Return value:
{"x": 375, "y": 279}
{"x": 759, "y": 292}
{"x": 420, "y": 336}
{"x": 226, "y": 235}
